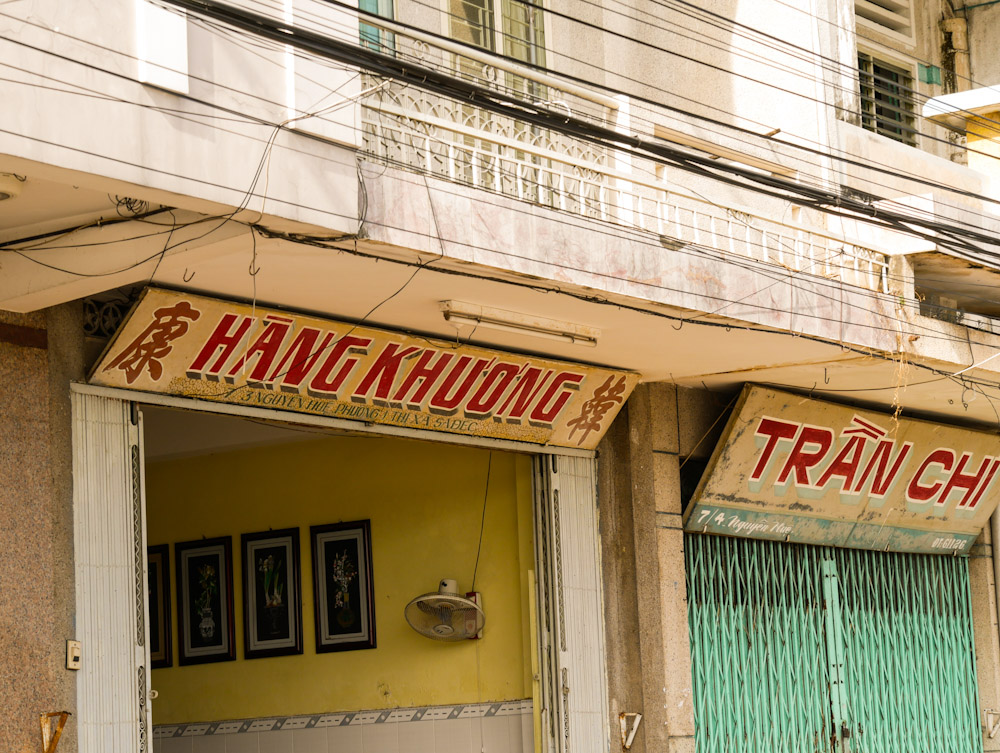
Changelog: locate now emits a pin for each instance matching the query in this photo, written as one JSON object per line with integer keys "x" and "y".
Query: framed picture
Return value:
{"x": 158, "y": 571}
{"x": 205, "y": 600}
{"x": 272, "y": 594}
{"x": 342, "y": 586}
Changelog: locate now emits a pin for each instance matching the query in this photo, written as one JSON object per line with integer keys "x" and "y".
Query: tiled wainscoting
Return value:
{"x": 473, "y": 728}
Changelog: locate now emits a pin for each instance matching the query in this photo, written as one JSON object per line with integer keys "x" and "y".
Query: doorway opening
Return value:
{"x": 287, "y": 555}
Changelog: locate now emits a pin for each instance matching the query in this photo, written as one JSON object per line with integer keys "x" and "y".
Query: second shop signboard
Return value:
{"x": 790, "y": 468}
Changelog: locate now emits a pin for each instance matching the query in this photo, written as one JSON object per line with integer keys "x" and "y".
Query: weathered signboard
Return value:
{"x": 790, "y": 468}
{"x": 209, "y": 349}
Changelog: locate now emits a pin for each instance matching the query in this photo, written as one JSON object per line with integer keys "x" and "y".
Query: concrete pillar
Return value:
{"x": 959, "y": 30}
{"x": 984, "y": 621}
{"x": 901, "y": 279}
{"x": 643, "y": 555}
{"x": 40, "y": 354}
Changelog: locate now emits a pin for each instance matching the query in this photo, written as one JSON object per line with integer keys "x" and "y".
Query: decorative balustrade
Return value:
{"x": 412, "y": 128}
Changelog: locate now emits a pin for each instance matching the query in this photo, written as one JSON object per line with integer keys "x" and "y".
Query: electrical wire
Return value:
{"x": 482, "y": 522}
{"x": 865, "y": 352}
{"x": 959, "y": 240}
{"x": 275, "y": 45}
{"x": 894, "y": 171}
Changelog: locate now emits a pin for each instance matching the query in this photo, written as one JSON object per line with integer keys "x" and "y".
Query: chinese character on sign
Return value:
{"x": 606, "y": 397}
{"x": 154, "y": 343}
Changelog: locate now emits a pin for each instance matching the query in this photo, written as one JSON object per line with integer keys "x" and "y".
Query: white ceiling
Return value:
{"x": 45, "y": 206}
{"x": 383, "y": 293}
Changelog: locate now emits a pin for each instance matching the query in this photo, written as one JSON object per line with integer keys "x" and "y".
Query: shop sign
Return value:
{"x": 790, "y": 468}
{"x": 204, "y": 348}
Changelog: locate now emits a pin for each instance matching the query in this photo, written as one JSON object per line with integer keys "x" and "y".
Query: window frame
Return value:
{"x": 372, "y": 37}
{"x": 497, "y": 19}
{"x": 908, "y": 132}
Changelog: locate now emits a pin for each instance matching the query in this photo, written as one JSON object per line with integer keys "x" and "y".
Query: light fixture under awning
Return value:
{"x": 460, "y": 313}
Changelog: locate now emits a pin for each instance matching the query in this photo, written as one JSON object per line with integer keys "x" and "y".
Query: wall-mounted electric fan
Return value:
{"x": 444, "y": 615}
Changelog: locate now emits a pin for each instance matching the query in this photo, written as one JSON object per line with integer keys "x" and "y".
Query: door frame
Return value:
{"x": 573, "y": 691}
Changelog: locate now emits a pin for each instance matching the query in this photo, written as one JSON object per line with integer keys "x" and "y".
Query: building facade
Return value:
{"x": 661, "y": 336}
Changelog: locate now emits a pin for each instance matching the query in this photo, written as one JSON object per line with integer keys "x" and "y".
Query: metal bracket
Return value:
{"x": 991, "y": 717}
{"x": 50, "y": 738}
{"x": 629, "y": 721}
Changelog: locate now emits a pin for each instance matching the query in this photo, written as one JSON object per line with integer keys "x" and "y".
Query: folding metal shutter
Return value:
{"x": 110, "y": 557}
{"x": 571, "y": 633}
{"x": 758, "y": 652}
{"x": 805, "y": 648}
{"x": 905, "y": 625}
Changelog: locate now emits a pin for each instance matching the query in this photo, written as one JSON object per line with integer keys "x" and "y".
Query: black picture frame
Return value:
{"x": 343, "y": 590}
{"x": 158, "y": 576}
{"x": 205, "y": 629}
{"x": 272, "y": 593}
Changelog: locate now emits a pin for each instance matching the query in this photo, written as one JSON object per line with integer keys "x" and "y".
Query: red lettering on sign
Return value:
{"x": 845, "y": 464}
{"x": 446, "y": 405}
{"x": 882, "y": 481}
{"x": 528, "y": 386}
{"x": 265, "y": 348}
{"x": 920, "y": 492}
{"x": 968, "y": 481}
{"x": 605, "y": 398}
{"x": 775, "y": 430}
{"x": 224, "y": 337}
{"x": 298, "y": 360}
{"x": 153, "y": 344}
{"x": 495, "y": 384}
{"x": 384, "y": 371}
{"x": 986, "y": 484}
{"x": 426, "y": 373}
{"x": 323, "y": 385}
{"x": 554, "y": 400}
{"x": 801, "y": 459}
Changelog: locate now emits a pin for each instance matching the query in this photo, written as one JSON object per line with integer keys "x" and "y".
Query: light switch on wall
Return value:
{"x": 72, "y": 654}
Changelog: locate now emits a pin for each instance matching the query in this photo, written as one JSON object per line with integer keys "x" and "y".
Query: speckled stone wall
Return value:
{"x": 40, "y": 353}
{"x": 642, "y": 548}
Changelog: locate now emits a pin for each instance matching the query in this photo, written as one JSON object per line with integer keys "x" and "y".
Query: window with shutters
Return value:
{"x": 885, "y": 15}
{"x": 508, "y": 27}
{"x": 887, "y": 99}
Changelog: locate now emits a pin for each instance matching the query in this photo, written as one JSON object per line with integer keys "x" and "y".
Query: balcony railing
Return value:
{"x": 408, "y": 127}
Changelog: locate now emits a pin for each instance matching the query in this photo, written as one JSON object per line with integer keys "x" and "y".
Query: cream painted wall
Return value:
{"x": 425, "y": 502}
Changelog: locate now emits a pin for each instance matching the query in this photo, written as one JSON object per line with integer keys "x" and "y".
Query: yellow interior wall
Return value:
{"x": 425, "y": 503}
{"x": 983, "y": 144}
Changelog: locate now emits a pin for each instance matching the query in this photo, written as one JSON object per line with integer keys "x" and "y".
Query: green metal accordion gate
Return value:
{"x": 798, "y": 648}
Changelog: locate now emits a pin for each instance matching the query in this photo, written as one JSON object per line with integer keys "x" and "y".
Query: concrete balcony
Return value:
{"x": 409, "y": 128}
